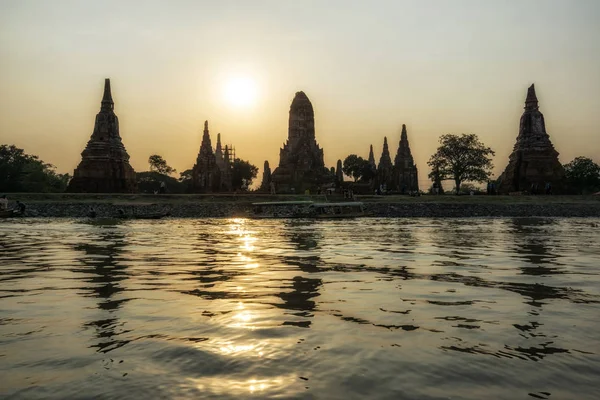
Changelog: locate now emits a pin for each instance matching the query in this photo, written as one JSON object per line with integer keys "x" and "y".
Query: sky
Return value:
{"x": 460, "y": 66}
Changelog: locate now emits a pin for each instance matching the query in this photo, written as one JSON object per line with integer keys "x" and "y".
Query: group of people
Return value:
{"x": 535, "y": 188}
{"x": 491, "y": 188}
{"x": 20, "y": 207}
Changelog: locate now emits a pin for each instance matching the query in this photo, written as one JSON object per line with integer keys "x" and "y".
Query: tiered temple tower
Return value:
{"x": 104, "y": 166}
{"x": 405, "y": 170}
{"x": 372, "y": 158}
{"x": 206, "y": 175}
{"x": 301, "y": 164}
{"x": 534, "y": 161}
{"x": 220, "y": 159}
{"x": 385, "y": 169}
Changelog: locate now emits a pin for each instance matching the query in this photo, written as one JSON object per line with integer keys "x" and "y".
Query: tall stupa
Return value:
{"x": 534, "y": 162}
{"x": 405, "y": 170}
{"x": 104, "y": 166}
{"x": 301, "y": 164}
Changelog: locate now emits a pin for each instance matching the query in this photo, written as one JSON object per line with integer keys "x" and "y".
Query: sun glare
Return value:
{"x": 241, "y": 92}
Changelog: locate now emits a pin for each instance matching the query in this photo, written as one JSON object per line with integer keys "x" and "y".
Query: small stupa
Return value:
{"x": 405, "y": 170}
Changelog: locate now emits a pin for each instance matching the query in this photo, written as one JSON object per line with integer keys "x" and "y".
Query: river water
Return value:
{"x": 237, "y": 308}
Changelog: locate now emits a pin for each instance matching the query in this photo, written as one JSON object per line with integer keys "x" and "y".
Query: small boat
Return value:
{"x": 11, "y": 214}
{"x": 281, "y": 209}
{"x": 350, "y": 209}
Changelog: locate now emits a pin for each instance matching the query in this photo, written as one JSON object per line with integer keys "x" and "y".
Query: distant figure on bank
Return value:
{"x": 163, "y": 188}
{"x": 548, "y": 188}
{"x": 21, "y": 207}
{"x": 92, "y": 212}
{"x": 3, "y": 203}
{"x": 534, "y": 188}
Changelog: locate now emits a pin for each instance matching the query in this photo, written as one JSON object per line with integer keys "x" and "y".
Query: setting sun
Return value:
{"x": 241, "y": 91}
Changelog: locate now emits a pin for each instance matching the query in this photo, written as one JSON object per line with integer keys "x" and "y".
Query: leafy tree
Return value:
{"x": 358, "y": 168}
{"x": 368, "y": 172}
{"x": 149, "y": 182}
{"x": 185, "y": 178}
{"x": 185, "y": 175}
{"x": 158, "y": 164}
{"x": 22, "y": 172}
{"x": 242, "y": 174}
{"x": 461, "y": 158}
{"x": 467, "y": 188}
{"x": 583, "y": 175}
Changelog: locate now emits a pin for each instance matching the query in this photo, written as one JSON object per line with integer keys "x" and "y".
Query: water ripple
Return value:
{"x": 236, "y": 308}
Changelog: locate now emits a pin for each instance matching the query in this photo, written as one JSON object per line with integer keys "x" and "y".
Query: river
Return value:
{"x": 238, "y": 308}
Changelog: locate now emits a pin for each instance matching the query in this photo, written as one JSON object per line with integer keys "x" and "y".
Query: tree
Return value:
{"x": 461, "y": 158}
{"x": 358, "y": 168}
{"x": 185, "y": 178}
{"x": 185, "y": 175}
{"x": 150, "y": 182}
{"x": 467, "y": 188}
{"x": 242, "y": 174}
{"x": 158, "y": 164}
{"x": 368, "y": 172}
{"x": 583, "y": 175}
{"x": 22, "y": 172}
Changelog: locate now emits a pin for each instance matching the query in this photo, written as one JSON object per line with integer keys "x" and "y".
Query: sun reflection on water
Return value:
{"x": 278, "y": 309}
{"x": 245, "y": 316}
{"x": 234, "y": 349}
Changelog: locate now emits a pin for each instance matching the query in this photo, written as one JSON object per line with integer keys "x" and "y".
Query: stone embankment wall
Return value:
{"x": 393, "y": 210}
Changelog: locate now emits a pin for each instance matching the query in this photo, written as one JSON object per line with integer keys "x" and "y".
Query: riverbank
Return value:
{"x": 230, "y": 205}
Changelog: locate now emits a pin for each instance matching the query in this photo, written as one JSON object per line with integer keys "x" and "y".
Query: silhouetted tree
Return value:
{"x": 158, "y": 164}
{"x": 461, "y": 158}
{"x": 467, "y": 188}
{"x": 242, "y": 174}
{"x": 185, "y": 175}
{"x": 583, "y": 175}
{"x": 149, "y": 182}
{"x": 358, "y": 168}
{"x": 22, "y": 172}
{"x": 185, "y": 178}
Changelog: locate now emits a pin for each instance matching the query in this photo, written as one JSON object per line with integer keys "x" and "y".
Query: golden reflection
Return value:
{"x": 235, "y": 349}
{"x": 245, "y": 316}
{"x": 256, "y": 385}
{"x": 248, "y": 240}
{"x": 244, "y": 350}
{"x": 236, "y": 226}
{"x": 244, "y": 258}
{"x": 253, "y": 385}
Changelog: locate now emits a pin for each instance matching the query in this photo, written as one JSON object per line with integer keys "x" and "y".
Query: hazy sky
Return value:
{"x": 448, "y": 66}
